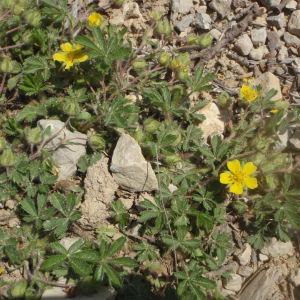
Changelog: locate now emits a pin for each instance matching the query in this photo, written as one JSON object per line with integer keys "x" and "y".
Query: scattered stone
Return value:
{"x": 294, "y": 23}
{"x": 215, "y": 33}
{"x": 244, "y": 44}
{"x": 296, "y": 278}
{"x": 67, "y": 242}
{"x": 212, "y": 123}
{"x": 283, "y": 53}
{"x": 130, "y": 169}
{"x": 100, "y": 188}
{"x": 260, "y": 21}
{"x": 117, "y": 17}
{"x": 271, "y": 3}
{"x": 282, "y": 140}
{"x": 127, "y": 202}
{"x": 291, "y": 40}
{"x": 184, "y": 23}
{"x": 259, "y": 53}
{"x": 13, "y": 222}
{"x": 295, "y": 140}
{"x": 245, "y": 256}
{"x": 234, "y": 283}
{"x": 259, "y": 36}
{"x": 274, "y": 39}
{"x": 203, "y": 21}
{"x": 265, "y": 285}
{"x": 131, "y": 10}
{"x": 268, "y": 81}
{"x": 278, "y": 21}
{"x": 263, "y": 257}
{"x": 277, "y": 248}
{"x": 291, "y": 5}
{"x": 172, "y": 188}
{"x": 67, "y": 146}
{"x": 222, "y": 7}
{"x": 182, "y": 6}
{"x": 245, "y": 271}
{"x": 10, "y": 204}
{"x": 54, "y": 293}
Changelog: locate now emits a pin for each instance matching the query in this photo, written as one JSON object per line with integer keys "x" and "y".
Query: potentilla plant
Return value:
{"x": 85, "y": 73}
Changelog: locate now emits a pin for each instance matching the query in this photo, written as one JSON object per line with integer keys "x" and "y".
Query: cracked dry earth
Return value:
{"x": 259, "y": 39}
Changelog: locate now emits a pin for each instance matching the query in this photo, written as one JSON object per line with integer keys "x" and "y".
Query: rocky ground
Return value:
{"x": 259, "y": 39}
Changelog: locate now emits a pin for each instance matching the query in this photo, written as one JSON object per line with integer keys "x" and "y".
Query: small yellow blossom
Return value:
{"x": 274, "y": 111}
{"x": 71, "y": 54}
{"x": 2, "y": 270}
{"x": 248, "y": 93}
{"x": 95, "y": 20}
{"x": 239, "y": 177}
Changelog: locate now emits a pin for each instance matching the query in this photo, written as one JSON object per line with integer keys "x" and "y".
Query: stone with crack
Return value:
{"x": 269, "y": 81}
{"x": 212, "y": 123}
{"x": 67, "y": 146}
{"x": 129, "y": 167}
{"x": 202, "y": 21}
{"x": 181, "y": 6}
{"x": 234, "y": 283}
{"x": 259, "y": 36}
{"x": 245, "y": 256}
{"x": 277, "y": 248}
{"x": 294, "y": 23}
{"x": 244, "y": 44}
{"x": 100, "y": 188}
{"x": 222, "y": 7}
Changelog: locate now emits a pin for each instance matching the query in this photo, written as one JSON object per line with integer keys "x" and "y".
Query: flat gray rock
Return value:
{"x": 67, "y": 146}
{"x": 294, "y": 23}
{"x": 129, "y": 167}
{"x": 182, "y": 6}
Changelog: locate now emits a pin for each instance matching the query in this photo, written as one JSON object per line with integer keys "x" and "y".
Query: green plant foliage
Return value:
{"x": 100, "y": 85}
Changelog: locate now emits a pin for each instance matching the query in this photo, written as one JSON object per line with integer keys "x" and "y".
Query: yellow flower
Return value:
{"x": 2, "y": 270}
{"x": 70, "y": 55}
{"x": 239, "y": 177}
{"x": 274, "y": 111}
{"x": 95, "y": 19}
{"x": 248, "y": 93}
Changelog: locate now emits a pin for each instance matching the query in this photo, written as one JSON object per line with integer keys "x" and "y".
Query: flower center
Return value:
{"x": 238, "y": 177}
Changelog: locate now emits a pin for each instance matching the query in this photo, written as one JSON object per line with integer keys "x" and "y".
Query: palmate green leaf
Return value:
{"x": 59, "y": 202}
{"x": 120, "y": 113}
{"x": 87, "y": 255}
{"x": 59, "y": 248}
{"x": 37, "y": 64}
{"x": 29, "y": 206}
{"x": 117, "y": 245}
{"x": 33, "y": 85}
{"x": 53, "y": 262}
{"x": 80, "y": 266}
{"x": 112, "y": 275}
{"x": 200, "y": 81}
{"x": 124, "y": 262}
{"x": 31, "y": 112}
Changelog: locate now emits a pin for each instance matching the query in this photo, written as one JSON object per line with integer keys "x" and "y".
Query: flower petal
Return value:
{"x": 249, "y": 168}
{"x": 66, "y": 47}
{"x": 251, "y": 182}
{"x": 69, "y": 64}
{"x": 236, "y": 188}
{"x": 60, "y": 56}
{"x": 77, "y": 47}
{"x": 81, "y": 58}
{"x": 226, "y": 177}
{"x": 234, "y": 166}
